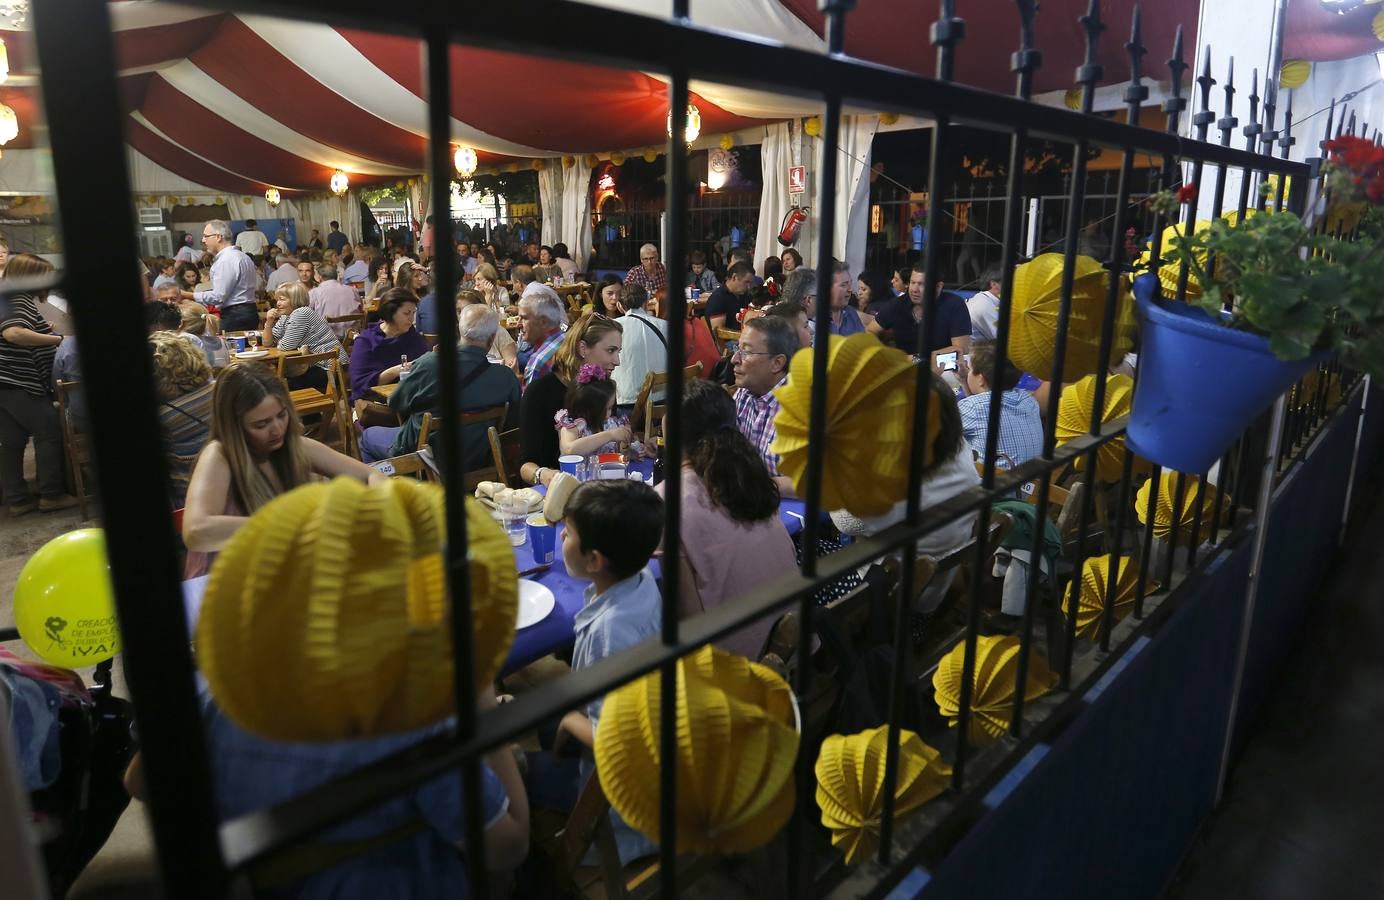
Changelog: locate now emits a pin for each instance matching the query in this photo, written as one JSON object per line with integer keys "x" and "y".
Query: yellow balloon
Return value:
{"x": 64, "y": 606}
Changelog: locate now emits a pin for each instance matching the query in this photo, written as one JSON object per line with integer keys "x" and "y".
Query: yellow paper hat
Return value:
{"x": 1037, "y": 296}
{"x": 992, "y": 700}
{"x": 326, "y": 616}
{"x": 850, "y": 785}
{"x": 1074, "y": 420}
{"x": 870, "y": 396}
{"x": 1171, "y": 269}
{"x": 736, "y": 746}
{"x": 1095, "y": 578}
{"x": 1163, "y": 506}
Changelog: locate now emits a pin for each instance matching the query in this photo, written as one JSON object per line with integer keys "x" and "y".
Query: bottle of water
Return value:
{"x": 404, "y": 366}
{"x": 220, "y": 354}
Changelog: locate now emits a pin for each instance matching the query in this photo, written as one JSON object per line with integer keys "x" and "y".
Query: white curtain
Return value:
{"x": 852, "y": 205}
{"x": 550, "y": 196}
{"x": 780, "y": 150}
{"x": 574, "y": 223}
{"x": 318, "y": 211}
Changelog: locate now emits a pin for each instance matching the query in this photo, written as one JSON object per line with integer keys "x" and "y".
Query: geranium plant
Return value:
{"x": 1306, "y": 288}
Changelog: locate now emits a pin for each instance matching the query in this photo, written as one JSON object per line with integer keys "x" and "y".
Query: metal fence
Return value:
{"x": 196, "y": 856}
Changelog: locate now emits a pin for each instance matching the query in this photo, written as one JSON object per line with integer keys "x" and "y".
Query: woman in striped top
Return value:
{"x": 182, "y": 378}
{"x": 292, "y": 324}
{"x": 27, "y": 346}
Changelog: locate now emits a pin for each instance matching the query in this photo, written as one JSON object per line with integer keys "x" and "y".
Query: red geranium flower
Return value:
{"x": 1187, "y": 193}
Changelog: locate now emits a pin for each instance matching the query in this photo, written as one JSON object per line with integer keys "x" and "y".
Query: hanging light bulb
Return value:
{"x": 340, "y": 182}
{"x": 466, "y": 161}
{"x": 4, "y": 63}
{"x": 272, "y": 197}
{"x": 9, "y": 124}
{"x": 693, "y": 127}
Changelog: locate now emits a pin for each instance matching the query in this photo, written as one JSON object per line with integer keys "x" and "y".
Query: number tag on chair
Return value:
{"x": 1028, "y": 487}
{"x": 384, "y": 467}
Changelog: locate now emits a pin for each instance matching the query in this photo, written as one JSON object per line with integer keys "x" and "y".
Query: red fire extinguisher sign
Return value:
{"x": 797, "y": 179}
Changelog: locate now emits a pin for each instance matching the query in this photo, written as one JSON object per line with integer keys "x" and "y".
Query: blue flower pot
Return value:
{"x": 1200, "y": 384}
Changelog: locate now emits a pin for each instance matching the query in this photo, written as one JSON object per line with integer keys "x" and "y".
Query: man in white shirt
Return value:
{"x": 984, "y": 307}
{"x": 252, "y": 241}
{"x": 281, "y": 241}
{"x": 286, "y": 273}
{"x": 467, "y": 262}
{"x": 188, "y": 253}
{"x": 233, "y": 279}
{"x": 359, "y": 268}
{"x": 643, "y": 345}
{"x": 331, "y": 298}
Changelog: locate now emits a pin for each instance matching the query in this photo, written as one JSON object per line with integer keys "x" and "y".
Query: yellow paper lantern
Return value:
{"x": 1195, "y": 494}
{"x": 727, "y": 142}
{"x": 539, "y": 165}
{"x": 850, "y": 785}
{"x": 650, "y": 156}
{"x": 1095, "y": 580}
{"x": 870, "y": 403}
{"x": 326, "y": 616}
{"x": 737, "y": 742}
{"x": 995, "y": 682}
{"x": 1377, "y": 25}
{"x": 888, "y": 118}
{"x": 813, "y": 126}
{"x": 1037, "y": 296}
{"x": 1294, "y": 73}
{"x": 1074, "y": 420}
{"x": 1072, "y": 98}
{"x": 617, "y": 158}
{"x": 568, "y": 162}
{"x": 592, "y": 160}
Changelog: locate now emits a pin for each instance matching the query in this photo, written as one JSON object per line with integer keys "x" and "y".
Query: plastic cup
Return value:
{"x": 511, "y": 519}
{"x": 543, "y": 535}
{"x": 240, "y": 344}
{"x": 572, "y": 465}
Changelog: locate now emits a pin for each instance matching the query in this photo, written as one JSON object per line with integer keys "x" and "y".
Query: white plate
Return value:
{"x": 252, "y": 354}
{"x": 535, "y": 602}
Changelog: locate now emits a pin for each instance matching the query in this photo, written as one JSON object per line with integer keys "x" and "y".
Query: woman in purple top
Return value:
{"x": 379, "y": 353}
{"x": 732, "y": 538}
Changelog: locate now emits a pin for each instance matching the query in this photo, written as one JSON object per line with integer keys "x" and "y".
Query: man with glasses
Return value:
{"x": 233, "y": 280}
{"x": 650, "y": 273}
{"x": 761, "y": 360}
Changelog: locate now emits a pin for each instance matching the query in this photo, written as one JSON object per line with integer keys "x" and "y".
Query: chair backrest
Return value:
{"x": 300, "y": 361}
{"x": 430, "y": 338}
{"x": 493, "y": 416}
{"x": 652, "y": 380}
{"x": 649, "y": 411}
{"x": 339, "y": 388}
{"x": 407, "y": 465}
{"x": 725, "y": 337}
{"x": 506, "y": 450}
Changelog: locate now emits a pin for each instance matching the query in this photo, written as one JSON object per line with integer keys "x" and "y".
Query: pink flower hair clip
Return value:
{"x": 591, "y": 372}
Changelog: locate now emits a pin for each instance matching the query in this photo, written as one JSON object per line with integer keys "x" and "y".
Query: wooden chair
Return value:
{"x": 725, "y": 337}
{"x": 75, "y": 444}
{"x": 290, "y": 364}
{"x": 493, "y": 417}
{"x": 431, "y": 339}
{"x": 407, "y": 465}
{"x": 645, "y": 411}
{"x": 506, "y": 450}
{"x": 357, "y": 323}
{"x": 331, "y": 406}
{"x": 350, "y": 438}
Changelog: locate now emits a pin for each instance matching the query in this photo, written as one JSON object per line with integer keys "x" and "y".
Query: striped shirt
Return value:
{"x": 186, "y": 424}
{"x": 30, "y": 369}
{"x": 305, "y": 327}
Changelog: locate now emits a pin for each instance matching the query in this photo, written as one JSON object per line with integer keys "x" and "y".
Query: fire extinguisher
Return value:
{"x": 792, "y": 225}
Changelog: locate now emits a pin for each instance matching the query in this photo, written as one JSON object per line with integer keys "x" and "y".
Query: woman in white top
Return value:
{"x": 952, "y": 471}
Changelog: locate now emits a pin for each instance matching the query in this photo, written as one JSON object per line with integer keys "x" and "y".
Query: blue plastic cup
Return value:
{"x": 572, "y": 465}
{"x": 543, "y": 538}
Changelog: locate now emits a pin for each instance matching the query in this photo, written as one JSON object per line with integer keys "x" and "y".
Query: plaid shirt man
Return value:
{"x": 1021, "y": 424}
{"x": 756, "y": 418}
{"x": 651, "y": 283}
{"x": 541, "y": 360}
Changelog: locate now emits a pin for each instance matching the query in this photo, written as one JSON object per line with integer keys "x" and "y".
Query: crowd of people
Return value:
{"x": 567, "y": 379}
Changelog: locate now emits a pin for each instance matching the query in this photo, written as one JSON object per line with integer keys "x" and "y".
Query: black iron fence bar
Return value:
{"x": 1267, "y": 137}
{"x": 253, "y": 835}
{"x": 1135, "y": 94}
{"x": 1146, "y": 551}
{"x": 83, "y": 112}
{"x": 1250, "y": 131}
{"x": 1225, "y": 125}
{"x": 458, "y": 570}
{"x": 946, "y": 32}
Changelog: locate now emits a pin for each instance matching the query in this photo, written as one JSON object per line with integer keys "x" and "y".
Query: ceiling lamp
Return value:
{"x": 4, "y": 63}
{"x": 272, "y": 197}
{"x": 340, "y": 182}
{"x": 466, "y": 161}
{"x": 693, "y": 129}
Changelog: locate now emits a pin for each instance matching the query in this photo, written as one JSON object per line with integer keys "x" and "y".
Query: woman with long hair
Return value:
{"x": 593, "y": 340}
{"x": 487, "y": 283}
{"x": 379, "y": 281}
{"x": 608, "y": 296}
{"x": 413, "y": 276}
{"x": 382, "y": 353}
{"x": 204, "y": 327}
{"x": 189, "y": 276}
{"x": 257, "y": 452}
{"x": 732, "y": 537}
{"x": 27, "y": 346}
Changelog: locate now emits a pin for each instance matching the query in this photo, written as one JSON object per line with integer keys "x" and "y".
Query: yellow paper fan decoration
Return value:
{"x": 1095, "y": 579}
{"x": 870, "y": 402}
{"x": 850, "y": 785}
{"x": 737, "y": 743}
{"x": 1171, "y": 268}
{"x": 593, "y": 160}
{"x": 539, "y": 165}
{"x": 1377, "y": 25}
{"x": 1074, "y": 420}
{"x": 888, "y": 118}
{"x": 727, "y": 142}
{"x": 568, "y": 162}
{"x": 1294, "y": 73}
{"x": 650, "y": 156}
{"x": 1072, "y": 98}
{"x": 326, "y": 616}
{"x": 813, "y": 126}
{"x": 1037, "y": 297}
{"x": 1163, "y": 519}
{"x": 220, "y": 201}
{"x": 992, "y": 701}
{"x": 617, "y": 158}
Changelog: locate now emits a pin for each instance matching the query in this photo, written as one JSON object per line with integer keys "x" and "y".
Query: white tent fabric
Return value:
{"x": 780, "y": 150}
{"x": 852, "y": 207}
{"x": 550, "y": 197}
{"x": 574, "y": 223}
